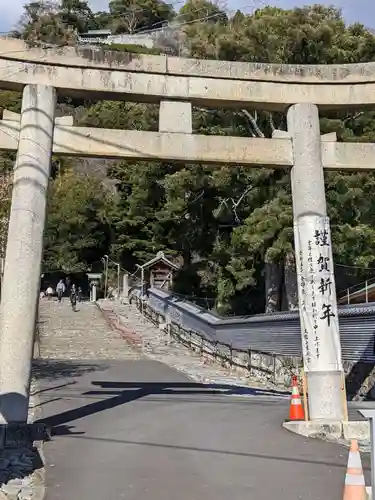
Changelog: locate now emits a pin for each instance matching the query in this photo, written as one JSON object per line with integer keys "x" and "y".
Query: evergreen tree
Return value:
{"x": 231, "y": 226}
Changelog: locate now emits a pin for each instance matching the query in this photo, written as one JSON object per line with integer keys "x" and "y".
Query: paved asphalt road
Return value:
{"x": 138, "y": 430}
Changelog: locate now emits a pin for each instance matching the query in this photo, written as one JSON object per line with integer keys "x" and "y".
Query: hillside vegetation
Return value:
{"x": 232, "y": 226}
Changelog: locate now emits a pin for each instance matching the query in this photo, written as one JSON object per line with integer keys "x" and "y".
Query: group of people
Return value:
{"x": 75, "y": 293}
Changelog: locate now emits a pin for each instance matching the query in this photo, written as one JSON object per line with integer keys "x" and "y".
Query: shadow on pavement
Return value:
{"x": 124, "y": 392}
{"x": 260, "y": 456}
{"x": 65, "y": 430}
{"x": 182, "y": 388}
{"x": 52, "y": 369}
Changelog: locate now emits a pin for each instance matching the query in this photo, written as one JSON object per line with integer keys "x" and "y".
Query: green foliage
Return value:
{"x": 129, "y": 16}
{"x": 200, "y": 9}
{"x": 120, "y": 115}
{"x": 12, "y": 102}
{"x": 76, "y": 13}
{"x": 44, "y": 23}
{"x": 100, "y": 20}
{"x": 131, "y": 48}
{"x": 133, "y": 219}
{"x": 225, "y": 223}
{"x": 308, "y": 35}
{"x": 301, "y": 36}
{"x": 78, "y": 231}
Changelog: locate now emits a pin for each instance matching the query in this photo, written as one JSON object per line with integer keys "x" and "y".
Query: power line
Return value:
{"x": 168, "y": 24}
{"x": 179, "y": 16}
{"x": 355, "y": 267}
{"x": 177, "y": 25}
{"x": 130, "y": 11}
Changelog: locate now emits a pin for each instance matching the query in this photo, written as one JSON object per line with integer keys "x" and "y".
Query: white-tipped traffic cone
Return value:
{"x": 355, "y": 488}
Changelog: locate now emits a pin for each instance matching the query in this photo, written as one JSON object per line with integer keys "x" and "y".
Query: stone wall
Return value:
{"x": 263, "y": 366}
{"x": 257, "y": 364}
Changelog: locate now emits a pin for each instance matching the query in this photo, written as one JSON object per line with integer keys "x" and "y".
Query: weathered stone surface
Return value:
{"x": 356, "y": 430}
{"x": 20, "y": 435}
{"x": 84, "y": 334}
{"x": 317, "y": 429}
{"x": 38, "y": 492}
{"x": 175, "y": 117}
{"x": 340, "y": 432}
{"x": 158, "y": 345}
{"x": 38, "y": 478}
{"x": 24, "y": 249}
{"x": 26, "y": 494}
{"x": 218, "y": 83}
{"x": 90, "y": 57}
{"x": 17, "y": 465}
{"x": 13, "y": 487}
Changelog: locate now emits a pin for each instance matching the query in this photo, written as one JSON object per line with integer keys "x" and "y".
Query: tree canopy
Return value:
{"x": 129, "y": 16}
{"x": 232, "y": 227}
{"x": 78, "y": 231}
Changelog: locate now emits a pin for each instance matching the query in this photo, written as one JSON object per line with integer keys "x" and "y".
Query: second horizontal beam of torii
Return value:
{"x": 188, "y": 148}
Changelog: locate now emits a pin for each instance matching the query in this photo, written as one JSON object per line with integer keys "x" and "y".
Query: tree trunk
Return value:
{"x": 273, "y": 280}
{"x": 186, "y": 255}
{"x": 290, "y": 281}
{"x": 284, "y": 302}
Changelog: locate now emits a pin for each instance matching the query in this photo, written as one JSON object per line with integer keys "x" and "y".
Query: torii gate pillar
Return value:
{"x": 316, "y": 282}
{"x": 24, "y": 250}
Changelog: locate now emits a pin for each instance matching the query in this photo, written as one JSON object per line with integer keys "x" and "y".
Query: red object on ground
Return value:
{"x": 127, "y": 334}
{"x": 296, "y": 411}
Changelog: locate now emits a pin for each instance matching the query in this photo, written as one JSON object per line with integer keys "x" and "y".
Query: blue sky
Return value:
{"x": 354, "y": 10}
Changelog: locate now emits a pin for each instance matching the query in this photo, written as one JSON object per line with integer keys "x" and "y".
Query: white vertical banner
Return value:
{"x": 317, "y": 294}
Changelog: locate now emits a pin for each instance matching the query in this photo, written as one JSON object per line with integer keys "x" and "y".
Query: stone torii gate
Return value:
{"x": 177, "y": 84}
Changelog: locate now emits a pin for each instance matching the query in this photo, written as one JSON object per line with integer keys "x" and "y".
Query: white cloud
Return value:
{"x": 11, "y": 11}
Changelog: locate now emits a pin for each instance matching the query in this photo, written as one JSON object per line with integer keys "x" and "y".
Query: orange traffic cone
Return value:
{"x": 355, "y": 488}
{"x": 296, "y": 409}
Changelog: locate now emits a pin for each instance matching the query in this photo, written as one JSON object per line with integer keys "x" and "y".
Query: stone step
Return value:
{"x": 85, "y": 334}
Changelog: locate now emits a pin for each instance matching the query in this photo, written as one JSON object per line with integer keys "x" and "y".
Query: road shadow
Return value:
{"x": 54, "y": 369}
{"x": 118, "y": 393}
{"x": 292, "y": 458}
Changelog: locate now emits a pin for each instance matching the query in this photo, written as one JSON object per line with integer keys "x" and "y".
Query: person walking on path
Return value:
{"x": 60, "y": 290}
{"x": 49, "y": 292}
{"x": 73, "y": 297}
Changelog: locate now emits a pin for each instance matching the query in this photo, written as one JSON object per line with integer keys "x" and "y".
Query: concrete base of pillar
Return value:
{"x": 327, "y": 402}
{"x": 329, "y": 430}
{"x": 22, "y": 435}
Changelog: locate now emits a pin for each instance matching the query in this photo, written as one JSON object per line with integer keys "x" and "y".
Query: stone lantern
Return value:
{"x": 94, "y": 282}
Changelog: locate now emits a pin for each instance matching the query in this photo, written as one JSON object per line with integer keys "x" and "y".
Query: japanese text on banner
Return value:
{"x": 317, "y": 294}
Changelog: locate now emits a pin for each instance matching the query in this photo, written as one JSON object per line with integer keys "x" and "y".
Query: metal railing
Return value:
{"x": 226, "y": 354}
{"x": 277, "y": 333}
{"x": 348, "y": 294}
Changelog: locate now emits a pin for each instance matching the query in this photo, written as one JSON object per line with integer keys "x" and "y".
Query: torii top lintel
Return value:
{"x": 102, "y": 74}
